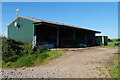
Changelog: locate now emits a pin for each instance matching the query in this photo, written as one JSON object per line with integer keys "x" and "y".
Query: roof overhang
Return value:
{"x": 75, "y": 27}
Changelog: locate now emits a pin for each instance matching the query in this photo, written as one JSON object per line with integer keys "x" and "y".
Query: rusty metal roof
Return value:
{"x": 40, "y": 20}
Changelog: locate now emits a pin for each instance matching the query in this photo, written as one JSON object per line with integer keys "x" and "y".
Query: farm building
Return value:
{"x": 49, "y": 34}
{"x": 103, "y": 39}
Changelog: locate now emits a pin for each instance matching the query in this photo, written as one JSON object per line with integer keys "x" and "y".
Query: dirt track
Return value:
{"x": 76, "y": 63}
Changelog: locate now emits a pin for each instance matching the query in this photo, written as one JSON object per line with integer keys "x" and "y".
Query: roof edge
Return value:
{"x": 24, "y": 18}
{"x": 40, "y": 20}
{"x": 13, "y": 21}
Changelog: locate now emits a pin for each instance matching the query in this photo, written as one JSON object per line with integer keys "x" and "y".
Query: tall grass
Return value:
{"x": 33, "y": 59}
{"x": 18, "y": 54}
{"x": 114, "y": 71}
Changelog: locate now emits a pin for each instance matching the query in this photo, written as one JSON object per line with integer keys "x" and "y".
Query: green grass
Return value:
{"x": 54, "y": 54}
{"x": 111, "y": 44}
{"x": 115, "y": 39}
{"x": 33, "y": 59}
{"x": 114, "y": 71}
{"x": 17, "y": 54}
{"x": 114, "y": 64}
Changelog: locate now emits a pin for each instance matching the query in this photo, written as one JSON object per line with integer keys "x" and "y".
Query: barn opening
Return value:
{"x": 52, "y": 35}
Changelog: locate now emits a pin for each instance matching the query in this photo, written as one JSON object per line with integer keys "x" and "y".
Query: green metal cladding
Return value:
{"x": 24, "y": 33}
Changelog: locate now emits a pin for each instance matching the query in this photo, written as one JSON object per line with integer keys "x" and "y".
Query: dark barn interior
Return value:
{"x": 62, "y": 36}
{"x": 46, "y": 33}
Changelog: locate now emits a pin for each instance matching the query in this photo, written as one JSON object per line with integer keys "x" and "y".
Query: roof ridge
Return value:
{"x": 40, "y": 20}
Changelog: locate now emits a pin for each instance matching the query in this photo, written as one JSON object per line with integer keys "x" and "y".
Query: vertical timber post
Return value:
{"x": 93, "y": 40}
{"x": 34, "y": 37}
{"x": 57, "y": 37}
{"x": 85, "y": 37}
{"x": 74, "y": 37}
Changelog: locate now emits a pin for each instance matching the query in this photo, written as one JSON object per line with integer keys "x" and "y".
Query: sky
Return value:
{"x": 60, "y": 0}
{"x": 101, "y": 16}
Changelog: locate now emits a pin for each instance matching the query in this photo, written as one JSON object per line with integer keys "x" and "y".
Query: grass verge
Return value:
{"x": 114, "y": 66}
{"x": 114, "y": 71}
{"x": 17, "y": 54}
{"x": 33, "y": 59}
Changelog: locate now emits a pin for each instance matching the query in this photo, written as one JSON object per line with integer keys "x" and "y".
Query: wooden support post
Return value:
{"x": 85, "y": 37}
{"x": 74, "y": 37}
{"x": 34, "y": 37}
{"x": 57, "y": 37}
{"x": 93, "y": 39}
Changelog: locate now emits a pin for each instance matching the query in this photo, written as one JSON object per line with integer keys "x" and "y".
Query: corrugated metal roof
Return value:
{"x": 40, "y": 20}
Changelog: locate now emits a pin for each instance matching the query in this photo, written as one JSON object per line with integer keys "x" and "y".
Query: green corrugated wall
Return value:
{"x": 24, "y": 33}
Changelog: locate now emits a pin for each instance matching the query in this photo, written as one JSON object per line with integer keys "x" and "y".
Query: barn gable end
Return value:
{"x": 22, "y": 32}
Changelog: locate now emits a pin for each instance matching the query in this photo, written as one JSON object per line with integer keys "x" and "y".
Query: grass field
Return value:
{"x": 113, "y": 43}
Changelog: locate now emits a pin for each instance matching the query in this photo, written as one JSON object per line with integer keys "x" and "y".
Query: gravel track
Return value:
{"x": 76, "y": 63}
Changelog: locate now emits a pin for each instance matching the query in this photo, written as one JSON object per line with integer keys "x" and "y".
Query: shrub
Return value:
{"x": 40, "y": 58}
{"x": 32, "y": 57}
{"x": 18, "y": 54}
{"x": 8, "y": 64}
{"x": 43, "y": 56}
{"x": 27, "y": 49}
{"x": 3, "y": 63}
{"x": 11, "y": 49}
{"x": 40, "y": 49}
{"x": 23, "y": 61}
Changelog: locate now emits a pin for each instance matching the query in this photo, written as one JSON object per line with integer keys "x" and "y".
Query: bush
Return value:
{"x": 30, "y": 60}
{"x": 32, "y": 57}
{"x": 23, "y": 61}
{"x": 109, "y": 40}
{"x": 43, "y": 56}
{"x": 11, "y": 49}
{"x": 113, "y": 40}
{"x": 27, "y": 49}
{"x": 40, "y": 49}
{"x": 8, "y": 64}
{"x": 18, "y": 54}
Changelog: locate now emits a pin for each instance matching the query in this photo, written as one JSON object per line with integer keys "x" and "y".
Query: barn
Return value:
{"x": 49, "y": 34}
